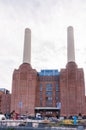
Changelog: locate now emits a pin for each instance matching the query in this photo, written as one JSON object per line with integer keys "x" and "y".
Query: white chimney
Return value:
{"x": 70, "y": 45}
{"x": 27, "y": 46}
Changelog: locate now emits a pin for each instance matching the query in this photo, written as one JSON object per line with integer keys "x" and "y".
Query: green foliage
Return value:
{"x": 10, "y": 128}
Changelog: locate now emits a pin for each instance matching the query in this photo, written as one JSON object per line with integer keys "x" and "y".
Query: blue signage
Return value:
{"x": 20, "y": 104}
{"x": 49, "y": 73}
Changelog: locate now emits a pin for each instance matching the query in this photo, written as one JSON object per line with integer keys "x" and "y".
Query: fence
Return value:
{"x": 31, "y": 125}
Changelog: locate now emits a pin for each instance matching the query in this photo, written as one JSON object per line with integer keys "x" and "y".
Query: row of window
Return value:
{"x": 49, "y": 98}
{"x": 49, "y": 87}
{"x": 49, "y": 93}
{"x": 48, "y": 79}
{"x": 49, "y": 102}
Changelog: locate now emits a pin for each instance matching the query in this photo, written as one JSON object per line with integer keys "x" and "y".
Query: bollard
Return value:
{"x": 75, "y": 120}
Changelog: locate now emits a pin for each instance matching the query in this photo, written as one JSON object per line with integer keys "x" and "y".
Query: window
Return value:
{"x": 48, "y": 87}
{"x": 57, "y": 98}
{"x": 56, "y": 78}
{"x": 40, "y": 87}
{"x": 48, "y": 103}
{"x": 40, "y": 93}
{"x": 40, "y": 98}
{"x": 56, "y": 94}
{"x": 40, "y": 101}
{"x": 49, "y": 98}
{"x": 49, "y": 93}
{"x": 57, "y": 88}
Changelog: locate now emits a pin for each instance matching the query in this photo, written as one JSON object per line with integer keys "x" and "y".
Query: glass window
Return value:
{"x": 40, "y": 93}
{"x": 49, "y": 93}
{"x": 56, "y": 94}
{"x": 48, "y": 103}
{"x": 57, "y": 98}
{"x": 40, "y": 87}
{"x": 57, "y": 88}
{"x": 40, "y": 98}
{"x": 49, "y": 98}
{"x": 48, "y": 87}
{"x": 56, "y": 78}
{"x": 40, "y": 101}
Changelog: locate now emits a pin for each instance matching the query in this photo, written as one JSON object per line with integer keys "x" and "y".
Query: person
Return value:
{"x": 79, "y": 116}
{"x": 7, "y": 115}
{"x": 38, "y": 115}
{"x": 58, "y": 105}
{"x": 13, "y": 115}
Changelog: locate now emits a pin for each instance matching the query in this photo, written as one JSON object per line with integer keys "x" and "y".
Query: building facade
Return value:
{"x": 5, "y": 103}
{"x": 47, "y": 92}
{"x": 24, "y": 90}
{"x": 72, "y": 90}
{"x": 34, "y": 92}
{"x": 5, "y": 100}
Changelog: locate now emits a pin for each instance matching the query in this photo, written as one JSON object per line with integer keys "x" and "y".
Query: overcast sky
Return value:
{"x": 48, "y": 21}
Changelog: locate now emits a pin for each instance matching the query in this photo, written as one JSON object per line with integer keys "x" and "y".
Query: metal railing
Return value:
{"x": 31, "y": 124}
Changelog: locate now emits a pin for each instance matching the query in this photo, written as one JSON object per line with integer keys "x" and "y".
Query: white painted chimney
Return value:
{"x": 27, "y": 46}
{"x": 70, "y": 45}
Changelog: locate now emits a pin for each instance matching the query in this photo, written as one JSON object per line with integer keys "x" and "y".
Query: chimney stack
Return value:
{"x": 27, "y": 46}
{"x": 70, "y": 45}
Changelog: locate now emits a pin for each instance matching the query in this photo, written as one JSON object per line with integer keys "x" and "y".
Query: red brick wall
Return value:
{"x": 24, "y": 89}
{"x": 72, "y": 90}
{"x": 5, "y": 103}
{"x": 47, "y": 80}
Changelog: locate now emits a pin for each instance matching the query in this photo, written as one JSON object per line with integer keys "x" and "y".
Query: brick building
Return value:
{"x": 5, "y": 100}
{"x": 1, "y": 93}
{"x": 72, "y": 90}
{"x": 72, "y": 85}
{"x": 24, "y": 89}
{"x": 34, "y": 91}
{"x": 5, "y": 103}
{"x": 47, "y": 92}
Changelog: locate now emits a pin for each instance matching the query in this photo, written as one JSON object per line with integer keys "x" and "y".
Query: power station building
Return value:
{"x": 34, "y": 91}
